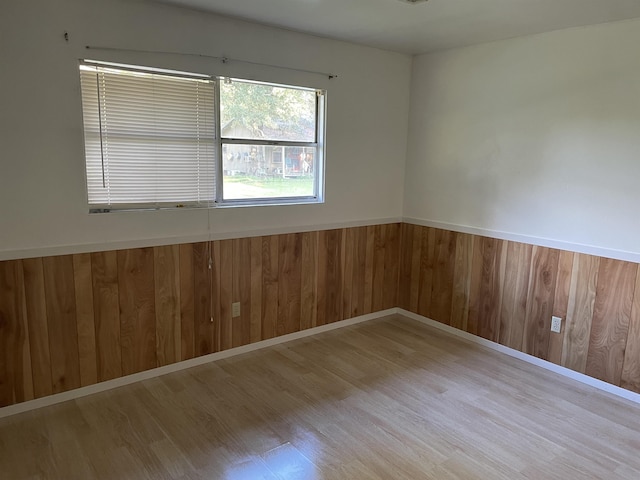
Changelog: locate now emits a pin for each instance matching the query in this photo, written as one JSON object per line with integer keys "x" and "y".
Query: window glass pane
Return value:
{"x": 267, "y": 171}
{"x": 267, "y": 112}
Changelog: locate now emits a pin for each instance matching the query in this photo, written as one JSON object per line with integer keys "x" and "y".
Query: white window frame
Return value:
{"x": 219, "y": 141}
{"x": 318, "y": 144}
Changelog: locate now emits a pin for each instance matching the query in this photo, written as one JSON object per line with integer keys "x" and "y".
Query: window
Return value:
{"x": 164, "y": 139}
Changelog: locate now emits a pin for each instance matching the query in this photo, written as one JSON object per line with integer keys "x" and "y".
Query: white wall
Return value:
{"x": 43, "y": 205}
{"x": 537, "y": 136}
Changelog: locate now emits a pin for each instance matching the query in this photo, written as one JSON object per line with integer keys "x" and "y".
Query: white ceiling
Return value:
{"x": 423, "y": 27}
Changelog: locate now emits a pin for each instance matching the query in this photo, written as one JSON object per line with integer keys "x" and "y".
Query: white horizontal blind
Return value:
{"x": 149, "y": 138}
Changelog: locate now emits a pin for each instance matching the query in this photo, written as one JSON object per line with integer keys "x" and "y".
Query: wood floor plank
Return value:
{"x": 137, "y": 310}
{"x": 85, "y": 319}
{"x": 542, "y": 285}
{"x": 166, "y": 271}
{"x": 36, "y": 310}
{"x": 106, "y": 308}
{"x": 630, "y": 378}
{"x": 611, "y": 316}
{"x": 63, "y": 328}
{"x": 514, "y": 294}
{"x": 187, "y": 302}
{"x": 561, "y": 305}
{"x": 581, "y": 301}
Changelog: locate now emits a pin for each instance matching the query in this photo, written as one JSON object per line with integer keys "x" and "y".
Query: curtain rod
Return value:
{"x": 330, "y": 76}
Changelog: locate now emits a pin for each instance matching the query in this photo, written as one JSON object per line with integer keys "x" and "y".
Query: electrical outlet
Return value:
{"x": 556, "y": 324}
{"x": 235, "y": 309}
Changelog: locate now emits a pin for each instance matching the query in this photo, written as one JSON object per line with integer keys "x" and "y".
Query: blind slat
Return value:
{"x": 149, "y": 138}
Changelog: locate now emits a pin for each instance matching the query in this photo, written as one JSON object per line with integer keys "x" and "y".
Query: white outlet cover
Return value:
{"x": 235, "y": 309}
{"x": 556, "y": 324}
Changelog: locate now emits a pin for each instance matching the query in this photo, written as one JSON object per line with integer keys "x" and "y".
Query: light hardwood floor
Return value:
{"x": 387, "y": 399}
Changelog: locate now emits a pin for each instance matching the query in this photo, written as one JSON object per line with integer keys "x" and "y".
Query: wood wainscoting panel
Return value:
{"x": 348, "y": 252}
{"x": 611, "y": 317}
{"x": 241, "y": 291}
{"x": 359, "y": 276}
{"x": 407, "y": 251}
{"x": 204, "y": 328}
{"x": 487, "y": 280}
{"x": 561, "y": 305}
{"x": 378, "y": 267}
{"x": 167, "y": 304}
{"x": 38, "y": 327}
{"x": 255, "y": 322}
{"x": 269, "y": 286}
{"x": 368, "y": 273}
{"x": 631, "y": 368}
{"x": 85, "y": 319}
{"x": 136, "y": 289}
{"x": 443, "y": 276}
{"x": 427, "y": 261}
{"x": 309, "y": 281}
{"x": 581, "y": 299}
{"x": 540, "y": 296}
{"x": 71, "y": 321}
{"x": 389, "y": 294}
{"x": 461, "y": 281}
{"x": 16, "y": 381}
{"x": 290, "y": 286}
{"x": 106, "y": 310}
{"x": 75, "y": 320}
{"x": 515, "y": 294}
{"x": 187, "y": 313}
{"x": 60, "y": 297}
{"x": 507, "y": 291}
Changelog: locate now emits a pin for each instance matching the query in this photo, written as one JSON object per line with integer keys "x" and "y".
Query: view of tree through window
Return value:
{"x": 268, "y": 140}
